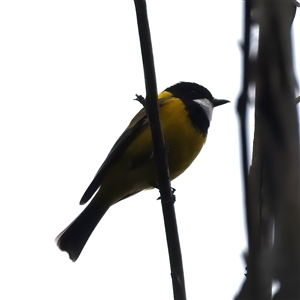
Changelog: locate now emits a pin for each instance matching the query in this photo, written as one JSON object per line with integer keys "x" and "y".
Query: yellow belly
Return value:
{"x": 183, "y": 141}
{"x": 136, "y": 170}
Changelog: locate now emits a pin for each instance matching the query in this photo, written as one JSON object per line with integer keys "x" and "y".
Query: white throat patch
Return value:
{"x": 207, "y": 107}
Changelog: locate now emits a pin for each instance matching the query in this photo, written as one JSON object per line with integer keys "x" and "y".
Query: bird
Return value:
{"x": 185, "y": 110}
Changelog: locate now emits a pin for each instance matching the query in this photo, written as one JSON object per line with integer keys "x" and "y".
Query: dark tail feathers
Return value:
{"x": 75, "y": 236}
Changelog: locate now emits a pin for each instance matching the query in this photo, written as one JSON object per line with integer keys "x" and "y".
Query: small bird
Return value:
{"x": 185, "y": 112}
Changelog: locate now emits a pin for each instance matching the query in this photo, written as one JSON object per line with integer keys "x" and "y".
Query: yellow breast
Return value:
{"x": 183, "y": 142}
{"x": 182, "y": 139}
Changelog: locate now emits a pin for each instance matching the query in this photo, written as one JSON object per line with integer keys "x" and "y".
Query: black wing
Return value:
{"x": 138, "y": 122}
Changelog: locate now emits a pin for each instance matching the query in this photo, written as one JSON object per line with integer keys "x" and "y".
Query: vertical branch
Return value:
{"x": 254, "y": 287}
{"x": 276, "y": 107}
{"x": 274, "y": 193}
{"x": 151, "y": 106}
{"x": 243, "y": 99}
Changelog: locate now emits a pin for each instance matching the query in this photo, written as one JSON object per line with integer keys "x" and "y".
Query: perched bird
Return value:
{"x": 185, "y": 112}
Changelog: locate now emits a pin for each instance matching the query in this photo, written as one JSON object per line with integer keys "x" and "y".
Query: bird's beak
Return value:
{"x": 217, "y": 102}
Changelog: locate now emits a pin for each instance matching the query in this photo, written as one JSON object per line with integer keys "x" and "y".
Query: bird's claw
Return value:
{"x": 173, "y": 196}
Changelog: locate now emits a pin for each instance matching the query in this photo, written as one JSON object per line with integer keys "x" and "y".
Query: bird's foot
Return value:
{"x": 141, "y": 99}
{"x": 173, "y": 196}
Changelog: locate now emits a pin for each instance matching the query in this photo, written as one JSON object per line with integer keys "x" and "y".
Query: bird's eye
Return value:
{"x": 193, "y": 95}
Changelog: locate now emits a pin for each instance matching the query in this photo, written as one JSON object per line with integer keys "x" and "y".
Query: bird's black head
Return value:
{"x": 189, "y": 91}
{"x": 199, "y": 103}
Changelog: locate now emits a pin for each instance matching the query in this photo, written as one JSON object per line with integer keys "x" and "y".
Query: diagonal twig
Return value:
{"x": 151, "y": 106}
